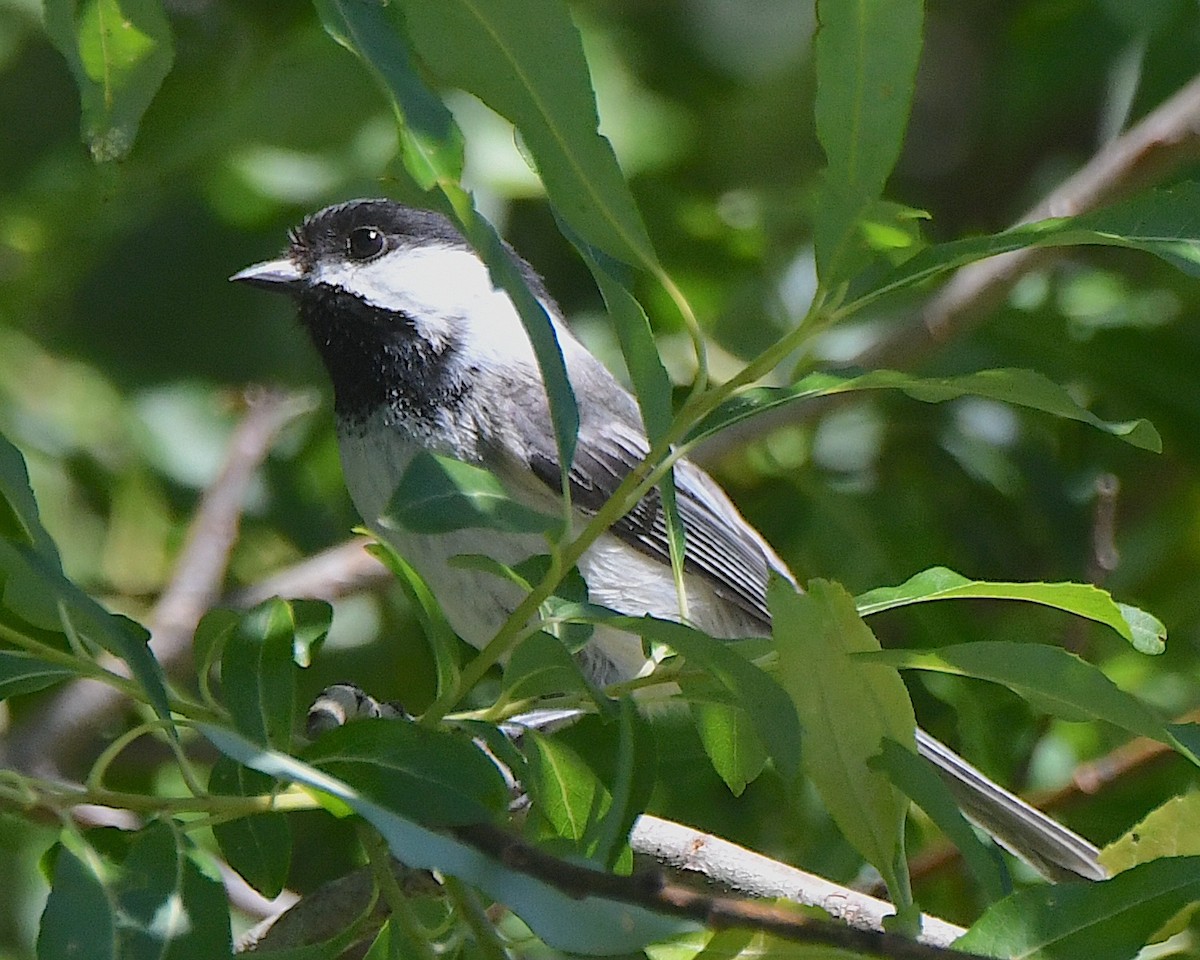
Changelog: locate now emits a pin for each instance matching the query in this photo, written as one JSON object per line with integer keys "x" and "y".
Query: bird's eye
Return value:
{"x": 365, "y": 243}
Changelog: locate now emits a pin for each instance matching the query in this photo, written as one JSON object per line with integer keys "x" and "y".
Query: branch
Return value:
{"x": 81, "y": 708}
{"x": 653, "y": 893}
{"x": 747, "y": 872}
{"x": 1156, "y": 148}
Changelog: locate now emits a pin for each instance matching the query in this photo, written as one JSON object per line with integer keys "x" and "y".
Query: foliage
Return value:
{"x": 752, "y": 217}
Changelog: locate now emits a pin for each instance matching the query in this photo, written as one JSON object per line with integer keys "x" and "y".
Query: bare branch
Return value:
{"x": 1164, "y": 141}
{"x": 82, "y": 708}
{"x": 329, "y": 575}
{"x": 753, "y": 874}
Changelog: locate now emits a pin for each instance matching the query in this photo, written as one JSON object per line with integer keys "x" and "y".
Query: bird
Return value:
{"x": 426, "y": 354}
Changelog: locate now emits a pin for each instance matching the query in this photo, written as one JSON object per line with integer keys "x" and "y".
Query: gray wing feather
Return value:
{"x": 720, "y": 546}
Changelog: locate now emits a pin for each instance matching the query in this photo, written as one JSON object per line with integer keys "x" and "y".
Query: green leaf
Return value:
{"x": 258, "y": 847}
{"x": 866, "y": 57}
{"x": 431, "y": 144}
{"x": 312, "y": 619}
{"x": 19, "y": 519}
{"x": 524, "y": 59}
{"x": 567, "y": 795}
{"x": 1146, "y": 633}
{"x": 439, "y": 495}
{"x": 927, "y": 790}
{"x": 434, "y": 776}
{"x": 564, "y": 922}
{"x": 1111, "y": 919}
{"x": 729, "y": 738}
{"x": 1163, "y": 221}
{"x": 80, "y": 918}
{"x": 1166, "y": 831}
{"x": 119, "y": 52}
{"x": 25, "y": 673}
{"x": 540, "y": 666}
{"x": 258, "y": 673}
{"x": 1022, "y": 388}
{"x": 442, "y": 640}
{"x": 845, "y": 712}
{"x": 162, "y": 901}
{"x": 432, "y": 151}
{"x": 580, "y": 807}
{"x": 740, "y": 681}
{"x": 1048, "y": 677}
{"x": 33, "y": 588}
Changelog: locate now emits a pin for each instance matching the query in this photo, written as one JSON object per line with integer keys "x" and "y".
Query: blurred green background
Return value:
{"x": 124, "y": 352}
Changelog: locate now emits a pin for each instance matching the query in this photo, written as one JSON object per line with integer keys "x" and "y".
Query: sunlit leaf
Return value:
{"x": 1022, "y": 388}
{"x": 1163, "y": 221}
{"x": 1145, "y": 632}
{"x": 1168, "y": 830}
{"x": 866, "y": 55}
{"x": 846, "y": 711}
{"x": 524, "y": 59}
{"x": 430, "y": 141}
{"x": 119, "y": 52}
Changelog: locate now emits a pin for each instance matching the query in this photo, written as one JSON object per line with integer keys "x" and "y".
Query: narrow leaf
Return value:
{"x": 764, "y": 700}
{"x": 23, "y": 673}
{"x": 1164, "y": 221}
{"x": 563, "y": 921}
{"x": 1049, "y": 677}
{"x": 442, "y": 640}
{"x": 430, "y": 142}
{"x": 34, "y": 588}
{"x": 1022, "y": 388}
{"x": 928, "y": 791}
{"x": 1146, "y": 633}
{"x": 524, "y": 59}
{"x": 119, "y": 52}
{"x": 19, "y": 519}
{"x": 866, "y": 57}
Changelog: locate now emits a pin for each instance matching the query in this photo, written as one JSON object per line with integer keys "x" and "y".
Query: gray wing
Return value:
{"x": 721, "y": 547}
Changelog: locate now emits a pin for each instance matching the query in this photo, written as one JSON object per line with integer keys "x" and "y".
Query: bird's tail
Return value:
{"x": 1045, "y": 844}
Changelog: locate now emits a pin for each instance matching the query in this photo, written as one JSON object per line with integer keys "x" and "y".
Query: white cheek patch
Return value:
{"x": 446, "y": 290}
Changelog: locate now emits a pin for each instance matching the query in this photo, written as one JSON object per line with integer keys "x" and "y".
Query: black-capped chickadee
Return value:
{"x": 426, "y": 354}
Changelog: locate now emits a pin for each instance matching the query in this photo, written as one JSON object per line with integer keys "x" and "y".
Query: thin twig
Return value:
{"x": 329, "y": 575}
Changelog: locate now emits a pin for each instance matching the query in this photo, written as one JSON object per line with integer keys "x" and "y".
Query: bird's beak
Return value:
{"x": 282, "y": 276}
